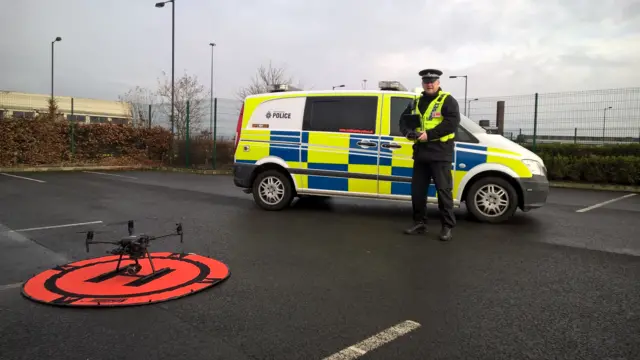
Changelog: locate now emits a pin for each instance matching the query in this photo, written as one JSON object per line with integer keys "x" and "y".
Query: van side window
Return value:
{"x": 348, "y": 114}
{"x": 398, "y": 105}
{"x": 463, "y": 136}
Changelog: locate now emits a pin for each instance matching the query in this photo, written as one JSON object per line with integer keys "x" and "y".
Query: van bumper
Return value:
{"x": 535, "y": 191}
{"x": 242, "y": 174}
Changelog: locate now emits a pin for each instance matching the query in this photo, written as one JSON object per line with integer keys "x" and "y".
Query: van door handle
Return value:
{"x": 393, "y": 145}
{"x": 366, "y": 143}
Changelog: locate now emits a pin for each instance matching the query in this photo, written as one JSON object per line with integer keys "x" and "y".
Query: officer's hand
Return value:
{"x": 423, "y": 136}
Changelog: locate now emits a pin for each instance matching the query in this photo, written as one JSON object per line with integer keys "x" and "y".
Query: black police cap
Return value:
{"x": 430, "y": 74}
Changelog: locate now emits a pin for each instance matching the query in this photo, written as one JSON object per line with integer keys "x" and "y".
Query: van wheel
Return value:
{"x": 492, "y": 200}
{"x": 272, "y": 190}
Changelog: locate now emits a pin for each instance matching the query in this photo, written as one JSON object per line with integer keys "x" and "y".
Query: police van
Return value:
{"x": 347, "y": 143}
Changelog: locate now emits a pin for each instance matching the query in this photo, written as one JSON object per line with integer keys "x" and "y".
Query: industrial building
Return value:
{"x": 21, "y": 105}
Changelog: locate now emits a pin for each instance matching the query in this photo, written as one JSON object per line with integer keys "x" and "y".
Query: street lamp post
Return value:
{"x": 212, "y": 125}
{"x": 465, "y": 90}
{"x": 469, "y": 116}
{"x": 604, "y": 121}
{"x": 52, "y": 43}
{"x": 173, "y": 46}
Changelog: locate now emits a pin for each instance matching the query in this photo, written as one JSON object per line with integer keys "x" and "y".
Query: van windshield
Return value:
{"x": 471, "y": 126}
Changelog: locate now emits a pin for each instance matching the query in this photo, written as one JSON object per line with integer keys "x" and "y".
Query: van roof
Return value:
{"x": 336, "y": 92}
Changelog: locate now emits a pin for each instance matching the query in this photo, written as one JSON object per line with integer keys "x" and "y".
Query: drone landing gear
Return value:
{"x": 134, "y": 269}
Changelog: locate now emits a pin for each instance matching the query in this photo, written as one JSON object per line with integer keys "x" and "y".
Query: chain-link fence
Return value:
{"x": 580, "y": 117}
{"x": 196, "y": 124}
{"x": 194, "y": 128}
{"x": 583, "y": 117}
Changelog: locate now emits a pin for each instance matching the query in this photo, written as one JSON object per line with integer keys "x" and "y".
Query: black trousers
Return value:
{"x": 440, "y": 172}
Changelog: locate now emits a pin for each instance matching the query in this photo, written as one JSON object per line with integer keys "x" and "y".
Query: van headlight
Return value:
{"x": 535, "y": 167}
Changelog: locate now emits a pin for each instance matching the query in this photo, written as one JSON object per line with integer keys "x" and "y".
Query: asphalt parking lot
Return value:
{"x": 562, "y": 282}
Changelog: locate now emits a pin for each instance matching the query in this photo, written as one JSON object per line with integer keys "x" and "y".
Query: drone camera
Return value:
{"x": 179, "y": 231}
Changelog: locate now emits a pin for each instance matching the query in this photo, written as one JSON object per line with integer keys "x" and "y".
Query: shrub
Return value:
{"x": 200, "y": 152}
{"x": 608, "y": 164}
{"x": 44, "y": 141}
{"x": 47, "y": 141}
{"x": 579, "y": 150}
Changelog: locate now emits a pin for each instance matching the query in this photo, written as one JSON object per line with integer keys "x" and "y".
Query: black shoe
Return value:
{"x": 417, "y": 228}
{"x": 445, "y": 234}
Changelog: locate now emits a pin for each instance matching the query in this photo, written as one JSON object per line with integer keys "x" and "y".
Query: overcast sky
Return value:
{"x": 505, "y": 46}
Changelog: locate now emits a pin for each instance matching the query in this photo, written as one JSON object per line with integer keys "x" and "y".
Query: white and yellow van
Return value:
{"x": 347, "y": 143}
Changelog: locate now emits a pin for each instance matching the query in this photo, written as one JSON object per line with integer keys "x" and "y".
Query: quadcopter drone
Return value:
{"x": 136, "y": 247}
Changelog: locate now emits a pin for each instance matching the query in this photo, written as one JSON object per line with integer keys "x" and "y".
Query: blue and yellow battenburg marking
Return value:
{"x": 353, "y": 168}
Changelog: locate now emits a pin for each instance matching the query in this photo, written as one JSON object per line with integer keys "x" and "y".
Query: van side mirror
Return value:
{"x": 485, "y": 124}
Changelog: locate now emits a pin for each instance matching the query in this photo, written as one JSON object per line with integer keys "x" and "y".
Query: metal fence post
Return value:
{"x": 214, "y": 153}
{"x": 500, "y": 117}
{"x": 187, "y": 142}
{"x": 535, "y": 122}
{"x": 73, "y": 130}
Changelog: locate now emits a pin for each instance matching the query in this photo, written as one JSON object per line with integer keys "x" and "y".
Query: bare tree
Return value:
{"x": 187, "y": 88}
{"x": 263, "y": 79}
{"x": 140, "y": 103}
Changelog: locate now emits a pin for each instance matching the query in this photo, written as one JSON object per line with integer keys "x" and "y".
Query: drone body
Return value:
{"x": 136, "y": 247}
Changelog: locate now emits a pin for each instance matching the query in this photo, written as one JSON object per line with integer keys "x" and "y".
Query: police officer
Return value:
{"x": 431, "y": 122}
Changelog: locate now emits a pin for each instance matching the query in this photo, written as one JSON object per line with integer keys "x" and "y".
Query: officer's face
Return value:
{"x": 430, "y": 87}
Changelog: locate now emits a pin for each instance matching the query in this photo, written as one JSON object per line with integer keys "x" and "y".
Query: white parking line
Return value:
{"x": 57, "y": 226}
{"x": 10, "y": 286}
{"x": 116, "y": 175}
{"x": 381, "y": 338}
{"x": 22, "y": 177}
{"x": 605, "y": 203}
{"x": 13, "y": 236}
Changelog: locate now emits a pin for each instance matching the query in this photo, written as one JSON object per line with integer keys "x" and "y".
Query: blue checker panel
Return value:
{"x": 471, "y": 146}
{"x": 400, "y": 188}
{"x": 469, "y": 159}
{"x": 325, "y": 182}
{"x": 285, "y": 152}
{"x": 402, "y": 171}
{"x": 285, "y": 136}
{"x": 328, "y": 183}
{"x": 385, "y": 161}
{"x": 332, "y": 167}
{"x": 361, "y": 159}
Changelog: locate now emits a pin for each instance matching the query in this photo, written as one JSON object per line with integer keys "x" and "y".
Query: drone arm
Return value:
{"x": 177, "y": 232}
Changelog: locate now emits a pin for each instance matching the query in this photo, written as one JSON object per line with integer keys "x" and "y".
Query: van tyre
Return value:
{"x": 492, "y": 200}
{"x": 272, "y": 190}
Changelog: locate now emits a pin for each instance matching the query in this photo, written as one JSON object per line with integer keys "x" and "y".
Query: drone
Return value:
{"x": 136, "y": 247}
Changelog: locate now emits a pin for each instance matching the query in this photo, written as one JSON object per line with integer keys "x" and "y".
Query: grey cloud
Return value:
{"x": 110, "y": 46}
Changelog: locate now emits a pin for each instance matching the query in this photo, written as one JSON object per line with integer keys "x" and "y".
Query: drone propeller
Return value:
{"x": 92, "y": 231}
{"x": 89, "y": 240}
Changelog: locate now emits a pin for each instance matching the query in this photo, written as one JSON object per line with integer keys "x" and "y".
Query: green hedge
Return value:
{"x": 607, "y": 164}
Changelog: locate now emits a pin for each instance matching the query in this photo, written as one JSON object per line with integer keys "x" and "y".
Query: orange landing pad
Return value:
{"x": 95, "y": 282}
